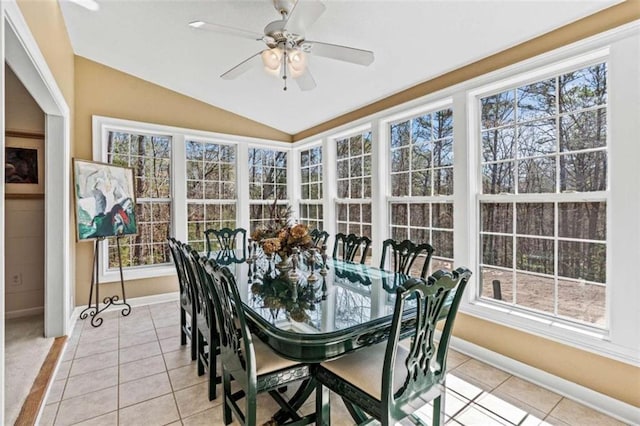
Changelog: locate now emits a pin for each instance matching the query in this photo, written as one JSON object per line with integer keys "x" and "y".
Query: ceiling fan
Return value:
{"x": 287, "y": 48}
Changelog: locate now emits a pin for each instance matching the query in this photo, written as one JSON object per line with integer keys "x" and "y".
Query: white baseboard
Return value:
{"x": 617, "y": 409}
{"x": 24, "y": 312}
{"x": 134, "y": 302}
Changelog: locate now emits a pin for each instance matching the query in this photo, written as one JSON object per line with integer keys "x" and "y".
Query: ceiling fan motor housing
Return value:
{"x": 276, "y": 35}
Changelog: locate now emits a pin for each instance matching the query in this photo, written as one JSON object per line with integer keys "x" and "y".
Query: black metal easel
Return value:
{"x": 93, "y": 311}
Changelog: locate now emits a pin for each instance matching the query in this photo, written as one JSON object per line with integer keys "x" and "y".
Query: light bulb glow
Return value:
{"x": 271, "y": 59}
{"x": 297, "y": 63}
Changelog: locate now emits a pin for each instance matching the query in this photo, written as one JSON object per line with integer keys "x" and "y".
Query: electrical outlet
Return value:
{"x": 16, "y": 280}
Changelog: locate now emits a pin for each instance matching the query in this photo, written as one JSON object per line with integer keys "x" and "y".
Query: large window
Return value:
{"x": 150, "y": 157}
{"x": 311, "y": 187}
{"x": 544, "y": 203}
{"x": 267, "y": 183}
{"x": 211, "y": 189}
{"x": 353, "y": 205}
{"x": 422, "y": 174}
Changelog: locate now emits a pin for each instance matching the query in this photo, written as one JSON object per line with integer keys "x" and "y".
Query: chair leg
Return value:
{"x": 226, "y": 397}
{"x": 323, "y": 405}
{"x": 194, "y": 333}
{"x": 438, "y": 411}
{"x": 213, "y": 368}
{"x": 183, "y": 325}
{"x": 201, "y": 353}
{"x": 250, "y": 413}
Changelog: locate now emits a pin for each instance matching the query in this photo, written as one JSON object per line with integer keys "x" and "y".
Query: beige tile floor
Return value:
{"x": 133, "y": 371}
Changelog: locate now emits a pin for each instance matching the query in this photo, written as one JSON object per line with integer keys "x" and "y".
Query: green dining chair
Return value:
{"x": 206, "y": 333}
{"x": 404, "y": 254}
{"x": 318, "y": 237}
{"x": 226, "y": 239}
{"x": 387, "y": 381}
{"x": 187, "y": 298}
{"x": 252, "y": 365}
{"x": 349, "y": 245}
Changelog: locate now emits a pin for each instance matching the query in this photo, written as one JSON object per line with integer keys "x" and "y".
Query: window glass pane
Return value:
{"x": 498, "y": 144}
{"x": 498, "y": 110}
{"x": 150, "y": 158}
{"x": 583, "y": 172}
{"x": 583, "y": 88}
{"x": 537, "y": 100}
{"x": 400, "y": 134}
{"x": 583, "y": 130}
{"x": 534, "y": 255}
{"x": 497, "y": 178}
{"x": 582, "y": 220}
{"x": 582, "y": 261}
{"x": 497, "y": 250}
{"x": 535, "y": 219}
{"x": 537, "y": 175}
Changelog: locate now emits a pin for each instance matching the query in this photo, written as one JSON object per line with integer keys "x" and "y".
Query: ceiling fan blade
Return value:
{"x": 305, "y": 80}
{"x": 303, "y": 15}
{"x": 225, "y": 29}
{"x": 241, "y": 68}
{"x": 341, "y": 53}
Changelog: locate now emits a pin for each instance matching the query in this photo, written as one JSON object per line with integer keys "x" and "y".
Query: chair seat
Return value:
{"x": 267, "y": 361}
{"x": 362, "y": 368}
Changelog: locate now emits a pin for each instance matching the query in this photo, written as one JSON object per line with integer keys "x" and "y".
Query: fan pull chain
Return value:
{"x": 284, "y": 68}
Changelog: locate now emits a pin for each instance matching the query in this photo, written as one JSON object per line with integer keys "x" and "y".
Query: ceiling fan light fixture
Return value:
{"x": 297, "y": 63}
{"x": 271, "y": 59}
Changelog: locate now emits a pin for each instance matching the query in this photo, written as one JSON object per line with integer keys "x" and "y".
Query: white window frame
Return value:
{"x": 385, "y": 140}
{"x": 295, "y": 191}
{"x": 622, "y": 341}
{"x": 618, "y": 340}
{"x": 101, "y": 125}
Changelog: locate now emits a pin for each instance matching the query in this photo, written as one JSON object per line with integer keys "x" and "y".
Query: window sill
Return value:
{"x": 140, "y": 273}
{"x": 583, "y": 338}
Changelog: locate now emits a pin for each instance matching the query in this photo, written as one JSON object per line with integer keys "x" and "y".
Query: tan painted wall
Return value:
{"x": 101, "y": 90}
{"x": 46, "y": 23}
{"x": 24, "y": 219}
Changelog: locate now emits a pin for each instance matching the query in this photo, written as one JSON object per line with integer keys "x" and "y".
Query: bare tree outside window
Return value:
{"x": 311, "y": 188}
{"x": 211, "y": 189}
{"x": 267, "y": 183}
{"x": 548, "y": 140}
{"x": 422, "y": 172}
{"x": 150, "y": 158}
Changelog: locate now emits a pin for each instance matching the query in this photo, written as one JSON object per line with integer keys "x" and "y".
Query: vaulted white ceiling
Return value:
{"x": 413, "y": 41}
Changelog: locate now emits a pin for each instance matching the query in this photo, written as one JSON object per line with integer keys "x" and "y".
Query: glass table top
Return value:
{"x": 315, "y": 311}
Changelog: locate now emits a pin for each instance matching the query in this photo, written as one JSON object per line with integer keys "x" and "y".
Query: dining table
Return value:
{"x": 318, "y": 309}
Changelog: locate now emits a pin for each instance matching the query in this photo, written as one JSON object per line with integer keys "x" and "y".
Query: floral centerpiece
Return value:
{"x": 280, "y": 235}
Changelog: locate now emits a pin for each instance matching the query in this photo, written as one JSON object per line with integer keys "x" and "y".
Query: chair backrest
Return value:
{"x": 236, "y": 345}
{"x": 318, "y": 237}
{"x": 350, "y": 245}
{"x": 204, "y": 290}
{"x": 226, "y": 239}
{"x": 191, "y": 276}
{"x": 405, "y": 254}
{"x": 425, "y": 366}
{"x": 186, "y": 293}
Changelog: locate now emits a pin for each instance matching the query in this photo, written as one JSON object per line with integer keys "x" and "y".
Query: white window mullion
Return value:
{"x": 179, "y": 187}
{"x": 379, "y": 215}
{"x": 329, "y": 189}
{"x": 242, "y": 176}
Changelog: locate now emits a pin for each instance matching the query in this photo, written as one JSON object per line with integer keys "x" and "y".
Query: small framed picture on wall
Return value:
{"x": 24, "y": 166}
